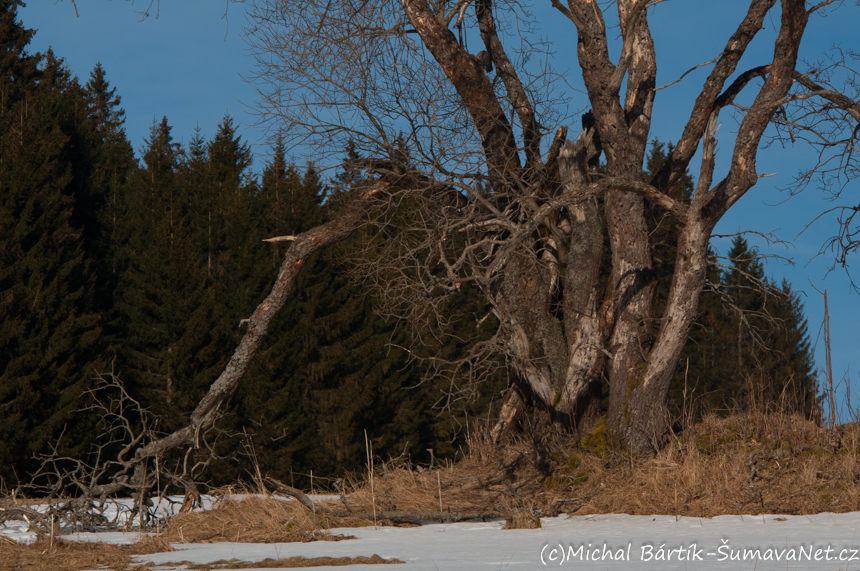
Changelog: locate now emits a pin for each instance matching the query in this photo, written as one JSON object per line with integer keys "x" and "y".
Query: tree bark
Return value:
{"x": 535, "y": 336}
{"x": 579, "y": 405}
{"x": 632, "y": 294}
{"x": 641, "y": 419}
{"x": 560, "y": 358}
{"x": 508, "y": 416}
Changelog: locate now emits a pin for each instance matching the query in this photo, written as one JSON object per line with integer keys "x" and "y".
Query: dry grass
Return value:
{"x": 400, "y": 489}
{"x": 289, "y": 563}
{"x": 43, "y": 555}
{"x": 738, "y": 465}
{"x": 520, "y": 513}
{"x": 252, "y": 519}
{"x": 741, "y": 464}
{"x": 491, "y": 480}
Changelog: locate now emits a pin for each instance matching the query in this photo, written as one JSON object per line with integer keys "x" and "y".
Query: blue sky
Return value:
{"x": 189, "y": 62}
{"x": 185, "y": 64}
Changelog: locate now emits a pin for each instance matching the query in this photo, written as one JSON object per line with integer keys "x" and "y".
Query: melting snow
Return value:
{"x": 600, "y": 542}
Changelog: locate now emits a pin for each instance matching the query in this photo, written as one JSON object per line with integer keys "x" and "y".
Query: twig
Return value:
{"x": 829, "y": 367}
{"x": 370, "y": 472}
{"x": 439, "y": 483}
{"x": 689, "y": 71}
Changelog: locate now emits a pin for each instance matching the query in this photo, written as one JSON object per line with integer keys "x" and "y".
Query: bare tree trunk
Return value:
{"x": 643, "y": 418}
{"x": 560, "y": 358}
{"x": 644, "y": 411}
{"x": 584, "y": 326}
{"x": 535, "y": 336}
{"x": 632, "y": 291}
{"x": 623, "y": 132}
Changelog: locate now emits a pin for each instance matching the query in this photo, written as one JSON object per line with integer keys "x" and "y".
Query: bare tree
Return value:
{"x": 400, "y": 81}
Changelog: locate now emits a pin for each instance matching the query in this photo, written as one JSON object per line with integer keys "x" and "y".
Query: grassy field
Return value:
{"x": 741, "y": 464}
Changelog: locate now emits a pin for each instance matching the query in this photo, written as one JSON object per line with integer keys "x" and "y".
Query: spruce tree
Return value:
{"x": 50, "y": 326}
{"x": 273, "y": 401}
{"x": 160, "y": 285}
{"x": 238, "y": 228}
{"x": 768, "y": 349}
{"x": 229, "y": 234}
{"x": 113, "y": 161}
{"x": 793, "y": 368}
{"x": 749, "y": 348}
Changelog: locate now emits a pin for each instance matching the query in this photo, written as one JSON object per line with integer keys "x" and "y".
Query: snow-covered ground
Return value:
{"x": 600, "y": 542}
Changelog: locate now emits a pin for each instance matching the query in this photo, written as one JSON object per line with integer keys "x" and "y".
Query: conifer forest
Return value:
{"x": 136, "y": 270}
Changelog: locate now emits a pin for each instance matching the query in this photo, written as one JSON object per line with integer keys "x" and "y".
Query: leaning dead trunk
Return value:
{"x": 225, "y": 385}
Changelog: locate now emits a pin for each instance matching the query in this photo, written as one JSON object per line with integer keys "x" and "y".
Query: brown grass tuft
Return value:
{"x": 252, "y": 519}
{"x": 289, "y": 563}
{"x": 742, "y": 464}
{"x": 479, "y": 485}
{"x": 749, "y": 464}
{"x": 76, "y": 556}
{"x": 520, "y": 514}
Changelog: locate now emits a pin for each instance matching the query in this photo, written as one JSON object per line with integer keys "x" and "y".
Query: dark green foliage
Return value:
{"x": 159, "y": 286}
{"x": 765, "y": 351}
{"x": 51, "y": 338}
{"x": 20, "y": 68}
{"x": 749, "y": 348}
{"x": 112, "y": 163}
{"x": 191, "y": 260}
{"x": 272, "y": 403}
{"x": 229, "y": 252}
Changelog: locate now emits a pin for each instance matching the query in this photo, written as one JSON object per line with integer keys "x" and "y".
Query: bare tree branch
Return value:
{"x": 222, "y": 389}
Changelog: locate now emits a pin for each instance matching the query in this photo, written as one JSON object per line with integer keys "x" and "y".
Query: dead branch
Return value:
{"x": 222, "y": 389}
{"x": 281, "y": 488}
